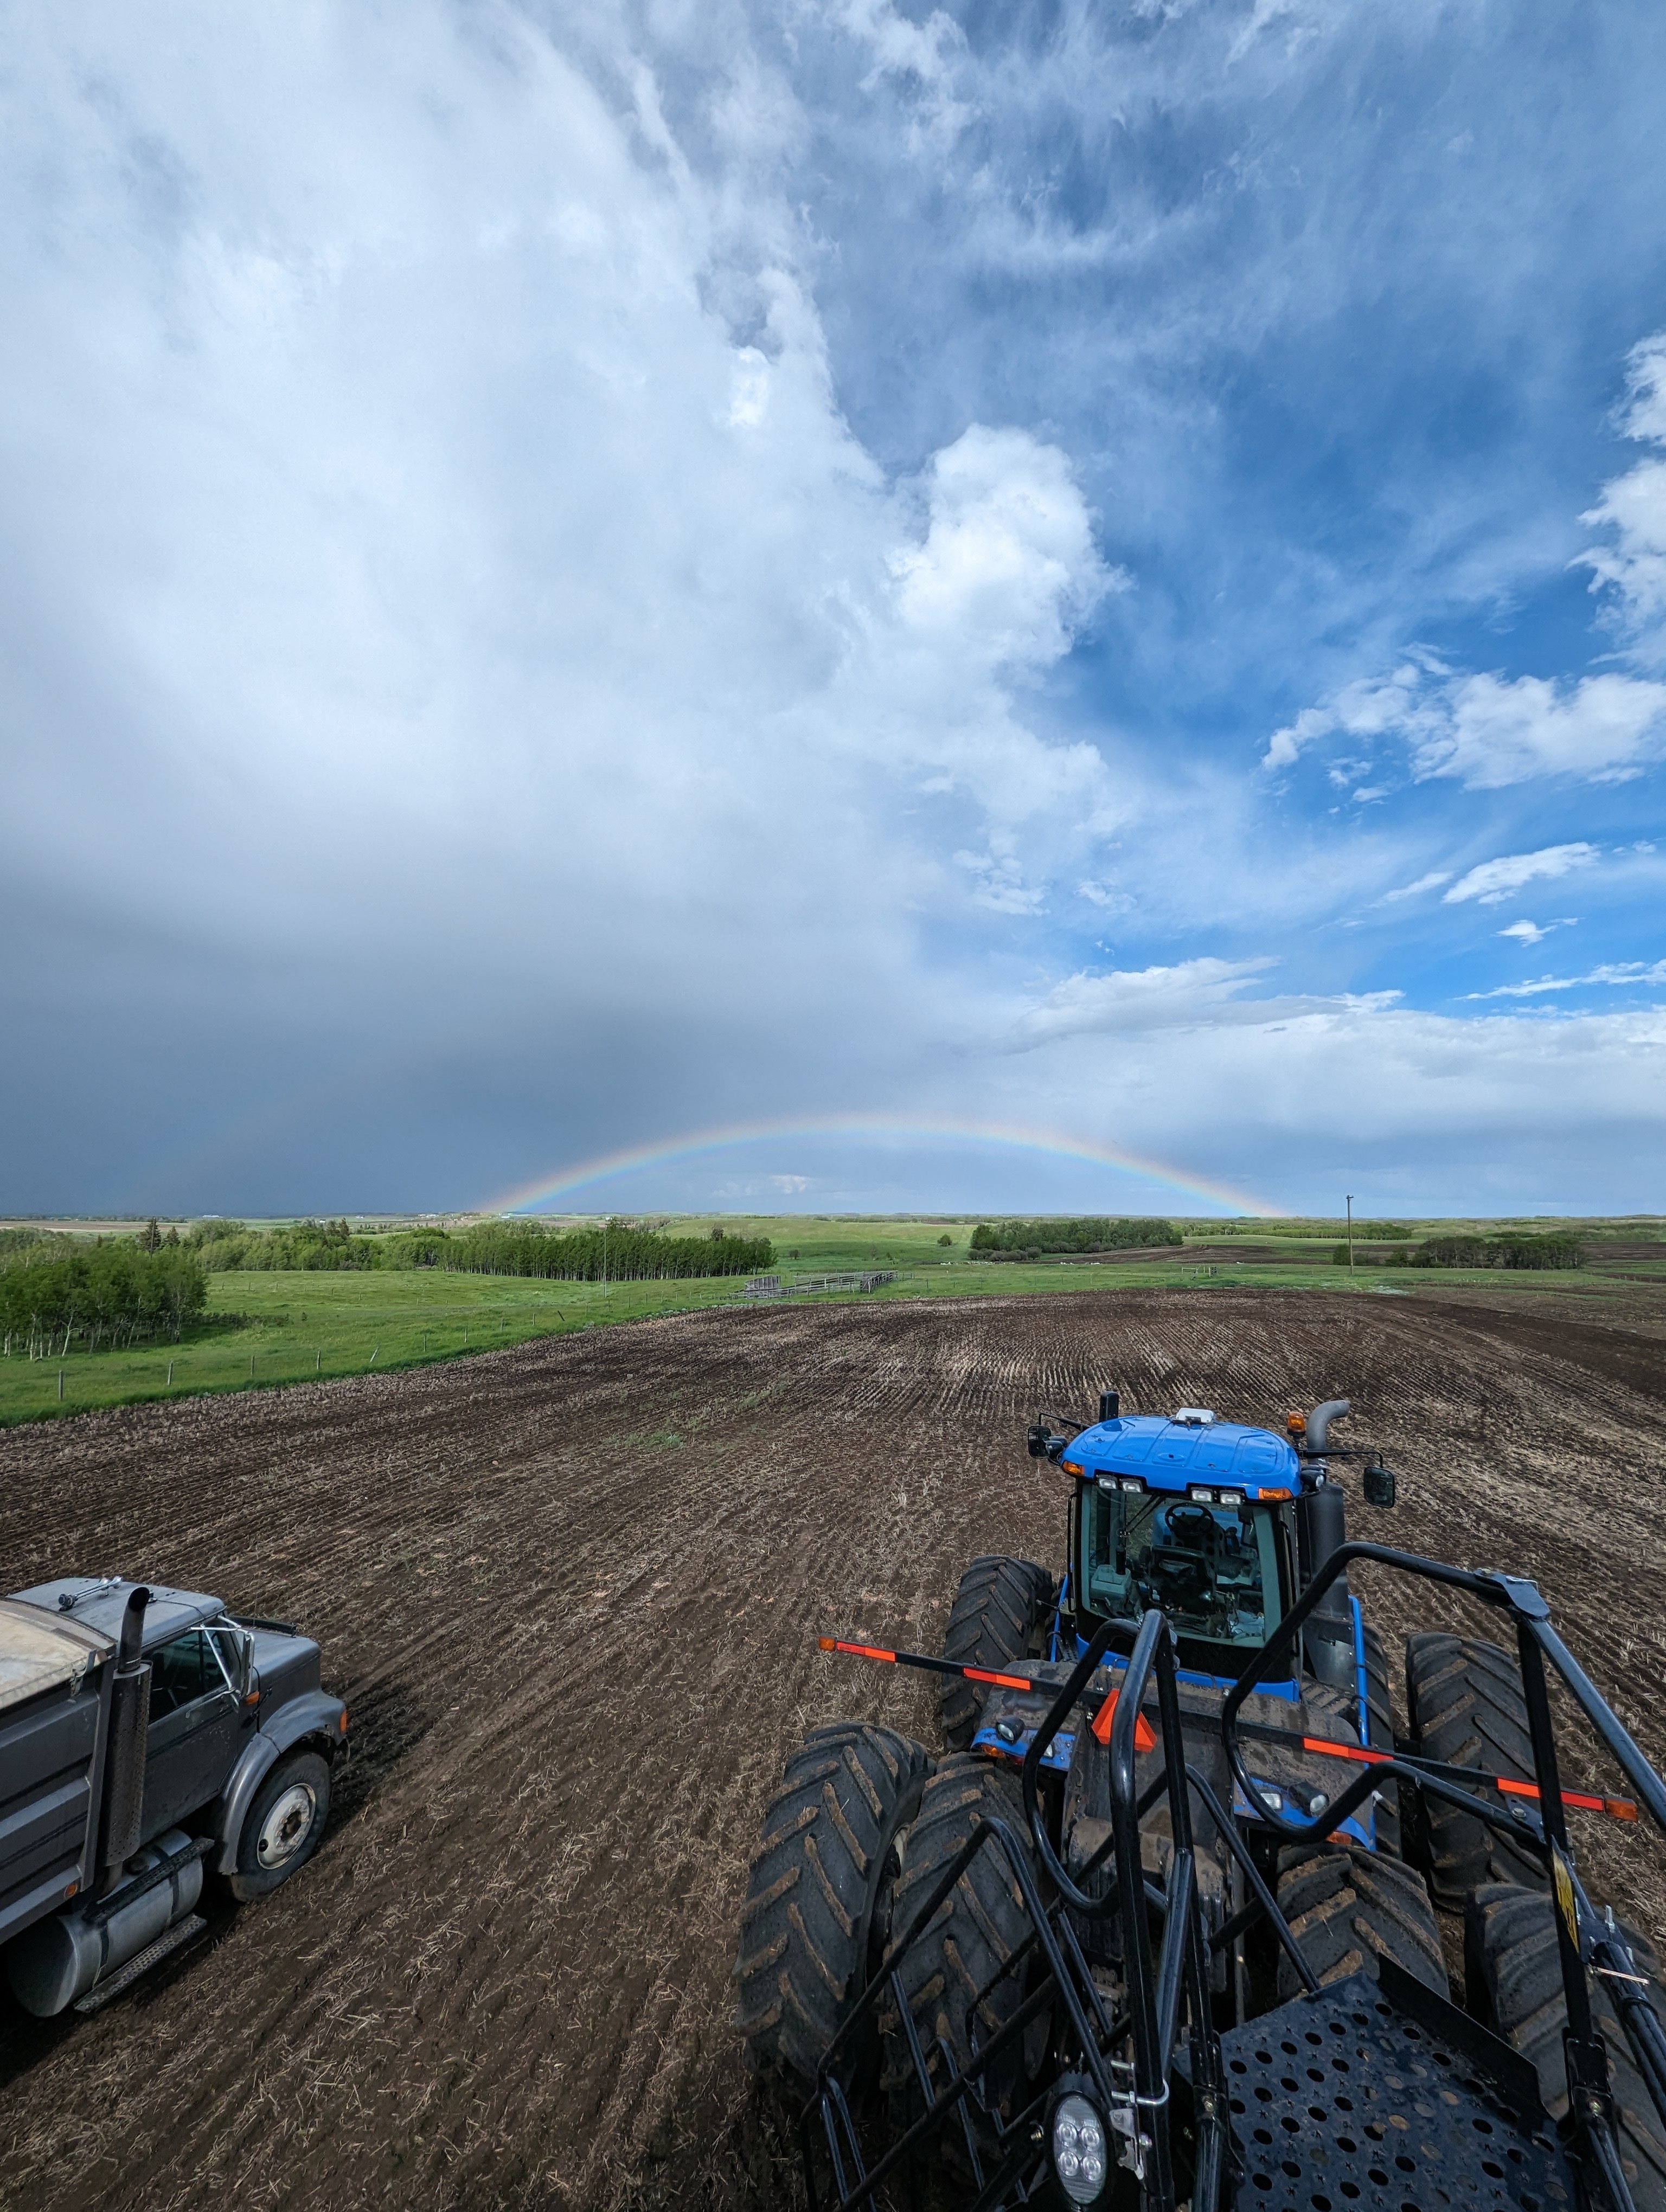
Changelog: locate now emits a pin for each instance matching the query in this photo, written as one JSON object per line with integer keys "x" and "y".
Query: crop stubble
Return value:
{"x": 571, "y": 1592}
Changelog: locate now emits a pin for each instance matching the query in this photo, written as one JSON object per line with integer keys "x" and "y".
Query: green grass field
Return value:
{"x": 271, "y": 1329}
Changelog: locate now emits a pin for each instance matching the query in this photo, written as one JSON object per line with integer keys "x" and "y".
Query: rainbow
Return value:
{"x": 548, "y": 1189}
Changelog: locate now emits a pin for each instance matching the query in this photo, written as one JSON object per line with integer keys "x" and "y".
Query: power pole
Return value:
{"x": 1350, "y": 1206}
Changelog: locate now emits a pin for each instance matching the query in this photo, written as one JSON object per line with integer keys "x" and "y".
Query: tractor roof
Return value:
{"x": 1173, "y": 1454}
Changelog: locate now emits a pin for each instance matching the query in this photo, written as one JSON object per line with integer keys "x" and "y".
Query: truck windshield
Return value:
{"x": 1211, "y": 1570}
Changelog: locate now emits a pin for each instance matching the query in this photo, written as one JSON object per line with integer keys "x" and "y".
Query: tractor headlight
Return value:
{"x": 1079, "y": 2149}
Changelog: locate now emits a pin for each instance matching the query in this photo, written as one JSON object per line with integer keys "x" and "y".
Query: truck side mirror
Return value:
{"x": 1377, "y": 1483}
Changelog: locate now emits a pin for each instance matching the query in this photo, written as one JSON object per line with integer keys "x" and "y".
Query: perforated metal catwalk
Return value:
{"x": 1346, "y": 2100}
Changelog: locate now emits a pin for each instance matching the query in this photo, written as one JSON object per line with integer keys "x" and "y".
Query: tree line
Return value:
{"x": 1516, "y": 1249}
{"x": 620, "y": 1251}
{"x": 615, "y": 1254}
{"x": 1030, "y": 1239}
{"x": 106, "y": 1296}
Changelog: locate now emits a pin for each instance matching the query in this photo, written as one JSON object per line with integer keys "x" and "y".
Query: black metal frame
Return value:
{"x": 1009, "y": 2160}
{"x": 1580, "y": 1934}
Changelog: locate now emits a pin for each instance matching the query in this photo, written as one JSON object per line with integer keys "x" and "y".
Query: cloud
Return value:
{"x": 1528, "y": 933}
{"x": 1494, "y": 881}
{"x": 1613, "y": 973}
{"x": 1632, "y": 566}
{"x": 1487, "y": 731}
{"x": 1196, "y": 993}
{"x": 1432, "y": 881}
{"x": 1449, "y": 1111}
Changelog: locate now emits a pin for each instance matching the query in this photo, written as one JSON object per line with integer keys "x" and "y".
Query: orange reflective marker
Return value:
{"x": 1145, "y": 1735}
{"x": 859, "y": 1650}
{"x": 1617, "y": 1808}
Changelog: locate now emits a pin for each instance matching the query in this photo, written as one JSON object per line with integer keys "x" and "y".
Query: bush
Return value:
{"x": 1095, "y": 1234}
{"x": 111, "y": 1295}
{"x": 325, "y": 1245}
{"x": 946, "y": 1240}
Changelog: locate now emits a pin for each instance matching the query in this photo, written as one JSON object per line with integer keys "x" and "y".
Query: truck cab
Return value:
{"x": 146, "y": 1734}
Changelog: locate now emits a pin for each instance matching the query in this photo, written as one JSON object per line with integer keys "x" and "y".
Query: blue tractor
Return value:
{"x": 1159, "y": 1922}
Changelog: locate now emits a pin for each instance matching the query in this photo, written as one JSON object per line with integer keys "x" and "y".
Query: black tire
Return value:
{"x": 977, "y": 1929}
{"x": 1464, "y": 1696}
{"x": 1348, "y": 1908}
{"x": 283, "y": 1827}
{"x": 1515, "y": 1972}
{"x": 817, "y": 1897}
{"x": 999, "y": 1616}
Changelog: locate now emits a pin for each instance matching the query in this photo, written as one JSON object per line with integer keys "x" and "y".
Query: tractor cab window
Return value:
{"x": 1211, "y": 1569}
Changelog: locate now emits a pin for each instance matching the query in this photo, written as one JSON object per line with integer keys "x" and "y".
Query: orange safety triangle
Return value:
{"x": 1145, "y": 1735}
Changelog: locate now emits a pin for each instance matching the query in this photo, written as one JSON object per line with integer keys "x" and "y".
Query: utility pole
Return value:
{"x": 1350, "y": 1204}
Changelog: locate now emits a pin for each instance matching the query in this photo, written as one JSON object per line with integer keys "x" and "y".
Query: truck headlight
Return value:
{"x": 1079, "y": 2149}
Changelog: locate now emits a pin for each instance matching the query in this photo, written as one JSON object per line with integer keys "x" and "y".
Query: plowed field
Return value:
{"x": 571, "y": 1592}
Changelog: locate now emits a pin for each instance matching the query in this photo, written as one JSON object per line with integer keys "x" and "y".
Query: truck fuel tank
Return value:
{"x": 58, "y": 1960}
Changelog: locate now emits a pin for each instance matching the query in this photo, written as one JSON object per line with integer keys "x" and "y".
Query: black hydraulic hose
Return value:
{"x": 1092, "y": 1908}
{"x": 1151, "y": 2084}
{"x": 1227, "y": 1828}
{"x": 1171, "y": 1959}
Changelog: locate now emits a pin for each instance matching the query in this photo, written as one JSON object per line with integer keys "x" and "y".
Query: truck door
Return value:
{"x": 196, "y": 1723}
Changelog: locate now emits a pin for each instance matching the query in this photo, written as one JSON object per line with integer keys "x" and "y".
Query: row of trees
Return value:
{"x": 106, "y": 1296}
{"x": 1516, "y": 1249}
{"x": 620, "y": 1251}
{"x": 616, "y": 1253}
{"x": 1028, "y": 1239}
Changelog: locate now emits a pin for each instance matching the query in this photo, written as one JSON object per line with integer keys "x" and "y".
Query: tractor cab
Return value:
{"x": 1186, "y": 1513}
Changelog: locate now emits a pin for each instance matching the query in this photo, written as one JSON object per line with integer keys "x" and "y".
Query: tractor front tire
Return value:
{"x": 979, "y": 1926}
{"x": 817, "y": 1897}
{"x": 1348, "y": 1908}
{"x": 282, "y": 1829}
{"x": 1515, "y": 1967}
{"x": 999, "y": 1616}
{"x": 1464, "y": 1696}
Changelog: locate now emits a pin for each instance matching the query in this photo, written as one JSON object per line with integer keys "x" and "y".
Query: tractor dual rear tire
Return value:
{"x": 817, "y": 1898}
{"x": 980, "y": 1926}
{"x": 1348, "y": 1908}
{"x": 999, "y": 1616}
{"x": 1463, "y": 1697}
{"x": 1516, "y": 1972}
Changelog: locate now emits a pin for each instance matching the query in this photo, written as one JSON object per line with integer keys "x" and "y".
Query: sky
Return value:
{"x": 839, "y": 607}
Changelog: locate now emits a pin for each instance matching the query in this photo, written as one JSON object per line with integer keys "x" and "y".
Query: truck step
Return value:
{"x": 124, "y": 1977}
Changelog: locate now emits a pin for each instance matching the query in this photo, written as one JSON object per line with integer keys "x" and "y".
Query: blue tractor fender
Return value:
{"x": 314, "y": 1717}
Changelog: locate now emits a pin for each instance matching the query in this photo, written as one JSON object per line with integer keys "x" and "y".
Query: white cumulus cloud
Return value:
{"x": 1489, "y": 731}
{"x": 1633, "y": 508}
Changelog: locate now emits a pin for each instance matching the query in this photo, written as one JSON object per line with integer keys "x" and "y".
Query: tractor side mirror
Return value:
{"x": 1040, "y": 1434}
{"x": 1377, "y": 1483}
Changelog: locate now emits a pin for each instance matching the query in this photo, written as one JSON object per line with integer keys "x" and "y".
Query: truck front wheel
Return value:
{"x": 283, "y": 1825}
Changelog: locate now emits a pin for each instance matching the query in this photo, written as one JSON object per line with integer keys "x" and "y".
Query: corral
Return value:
{"x": 571, "y": 1592}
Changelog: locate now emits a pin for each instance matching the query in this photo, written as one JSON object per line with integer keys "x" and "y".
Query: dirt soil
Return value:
{"x": 571, "y": 1592}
